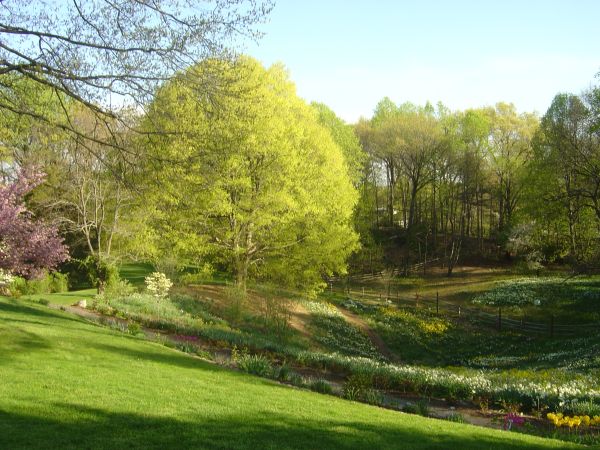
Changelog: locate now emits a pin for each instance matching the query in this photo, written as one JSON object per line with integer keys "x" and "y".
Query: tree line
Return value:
{"x": 157, "y": 141}
{"x": 487, "y": 183}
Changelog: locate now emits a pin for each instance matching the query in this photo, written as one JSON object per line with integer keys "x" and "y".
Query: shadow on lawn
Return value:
{"x": 172, "y": 358}
{"x": 14, "y": 341}
{"x": 12, "y": 306}
{"x": 83, "y": 427}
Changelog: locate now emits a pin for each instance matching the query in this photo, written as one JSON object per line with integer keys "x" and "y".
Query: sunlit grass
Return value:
{"x": 65, "y": 383}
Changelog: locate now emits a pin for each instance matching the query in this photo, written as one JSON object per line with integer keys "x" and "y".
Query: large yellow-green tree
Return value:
{"x": 247, "y": 177}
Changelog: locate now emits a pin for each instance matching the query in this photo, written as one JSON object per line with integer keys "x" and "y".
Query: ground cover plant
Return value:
{"x": 104, "y": 389}
{"x": 575, "y": 300}
{"x": 330, "y": 329}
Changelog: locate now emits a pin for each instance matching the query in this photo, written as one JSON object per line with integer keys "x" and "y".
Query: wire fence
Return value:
{"x": 497, "y": 319}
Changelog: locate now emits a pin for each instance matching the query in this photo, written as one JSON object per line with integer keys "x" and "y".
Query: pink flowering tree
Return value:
{"x": 27, "y": 245}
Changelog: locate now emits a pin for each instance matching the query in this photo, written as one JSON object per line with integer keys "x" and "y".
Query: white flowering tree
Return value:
{"x": 158, "y": 285}
{"x": 5, "y": 279}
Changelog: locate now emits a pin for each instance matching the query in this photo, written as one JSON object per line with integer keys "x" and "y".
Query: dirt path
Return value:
{"x": 376, "y": 340}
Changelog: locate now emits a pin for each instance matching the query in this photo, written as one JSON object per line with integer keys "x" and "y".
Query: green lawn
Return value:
{"x": 64, "y": 298}
{"x": 65, "y": 383}
{"x": 135, "y": 272}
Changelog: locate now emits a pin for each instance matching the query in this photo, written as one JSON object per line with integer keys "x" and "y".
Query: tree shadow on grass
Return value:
{"x": 163, "y": 357}
{"x": 14, "y": 341}
{"x": 12, "y": 306}
{"x": 80, "y": 427}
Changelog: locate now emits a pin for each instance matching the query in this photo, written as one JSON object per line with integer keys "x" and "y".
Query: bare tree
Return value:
{"x": 111, "y": 55}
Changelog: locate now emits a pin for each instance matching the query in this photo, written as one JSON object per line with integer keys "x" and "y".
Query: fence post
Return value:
{"x": 552, "y": 326}
{"x": 437, "y": 302}
{"x": 459, "y": 311}
{"x": 499, "y": 319}
{"x": 416, "y": 299}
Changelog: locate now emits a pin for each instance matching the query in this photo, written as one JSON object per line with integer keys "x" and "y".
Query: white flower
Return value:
{"x": 158, "y": 285}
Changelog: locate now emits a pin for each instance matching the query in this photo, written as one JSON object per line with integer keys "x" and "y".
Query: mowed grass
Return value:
{"x": 64, "y": 298}
{"x": 135, "y": 272}
{"x": 66, "y": 383}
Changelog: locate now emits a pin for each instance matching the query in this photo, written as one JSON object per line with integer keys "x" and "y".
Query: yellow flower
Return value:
{"x": 586, "y": 420}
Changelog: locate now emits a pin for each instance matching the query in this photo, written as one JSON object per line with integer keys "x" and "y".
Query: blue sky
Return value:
{"x": 350, "y": 54}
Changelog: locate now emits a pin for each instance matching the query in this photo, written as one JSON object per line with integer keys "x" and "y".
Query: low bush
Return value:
{"x": 255, "y": 364}
{"x": 47, "y": 283}
{"x": 282, "y": 373}
{"x": 357, "y": 386}
{"x": 320, "y": 386}
{"x": 134, "y": 328}
{"x": 456, "y": 417}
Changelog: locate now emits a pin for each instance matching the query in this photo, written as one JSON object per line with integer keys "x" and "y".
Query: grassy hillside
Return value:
{"x": 65, "y": 383}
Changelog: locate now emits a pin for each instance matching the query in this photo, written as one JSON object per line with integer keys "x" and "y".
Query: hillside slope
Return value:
{"x": 65, "y": 383}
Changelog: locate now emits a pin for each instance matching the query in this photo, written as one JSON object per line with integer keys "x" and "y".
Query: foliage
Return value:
{"x": 456, "y": 417}
{"x": 101, "y": 272}
{"x": 330, "y": 329}
{"x": 27, "y": 246}
{"x": 276, "y": 199}
{"x": 542, "y": 292}
{"x": 255, "y": 364}
{"x": 344, "y": 136}
{"x": 94, "y": 50}
{"x": 321, "y": 386}
{"x": 559, "y": 420}
{"x": 583, "y": 408}
{"x": 45, "y": 283}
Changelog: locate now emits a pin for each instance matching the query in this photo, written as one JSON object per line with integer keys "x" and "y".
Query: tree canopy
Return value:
{"x": 108, "y": 55}
{"x": 266, "y": 191}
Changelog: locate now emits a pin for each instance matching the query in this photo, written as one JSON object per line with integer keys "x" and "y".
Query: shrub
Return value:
{"x": 201, "y": 275}
{"x": 119, "y": 288}
{"x": 410, "y": 408}
{"x": 296, "y": 379}
{"x": 47, "y": 283}
{"x": 373, "y": 397}
{"x": 134, "y": 328}
{"x": 282, "y": 373}
{"x": 456, "y": 417}
{"x": 101, "y": 273}
{"x": 357, "y": 386}
{"x": 320, "y": 386}
{"x": 58, "y": 282}
{"x": 422, "y": 408}
{"x": 158, "y": 285}
{"x": 38, "y": 285}
{"x": 255, "y": 364}
{"x": 17, "y": 287}
{"x": 276, "y": 314}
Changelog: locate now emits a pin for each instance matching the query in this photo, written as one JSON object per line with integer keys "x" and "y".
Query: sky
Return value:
{"x": 350, "y": 54}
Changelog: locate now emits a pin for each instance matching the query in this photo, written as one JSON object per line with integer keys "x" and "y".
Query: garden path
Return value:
{"x": 376, "y": 340}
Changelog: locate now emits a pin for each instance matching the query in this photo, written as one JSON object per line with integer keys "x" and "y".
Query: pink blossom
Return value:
{"x": 27, "y": 246}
